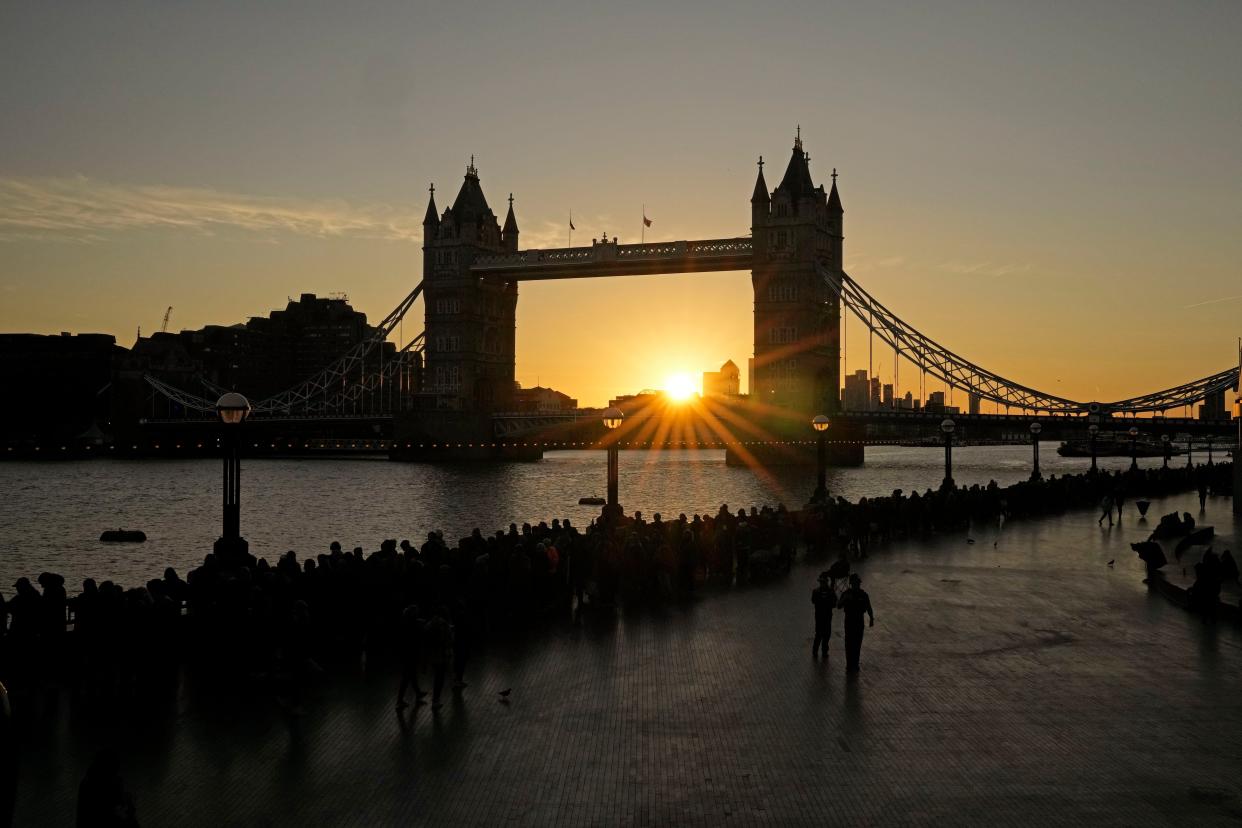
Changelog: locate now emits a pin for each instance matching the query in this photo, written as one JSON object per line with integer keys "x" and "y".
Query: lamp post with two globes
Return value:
{"x": 1133, "y": 432}
{"x": 1093, "y": 430}
{"x": 1167, "y": 449}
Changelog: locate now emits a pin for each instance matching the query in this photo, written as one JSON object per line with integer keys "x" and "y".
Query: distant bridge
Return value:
{"x": 472, "y": 268}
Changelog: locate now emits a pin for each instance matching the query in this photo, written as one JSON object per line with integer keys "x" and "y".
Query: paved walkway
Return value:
{"x": 1027, "y": 683}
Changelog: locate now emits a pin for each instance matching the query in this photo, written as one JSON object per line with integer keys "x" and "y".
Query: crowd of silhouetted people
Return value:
{"x": 440, "y": 600}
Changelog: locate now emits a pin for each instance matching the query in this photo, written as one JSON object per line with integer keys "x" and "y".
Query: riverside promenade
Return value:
{"x": 1023, "y": 683}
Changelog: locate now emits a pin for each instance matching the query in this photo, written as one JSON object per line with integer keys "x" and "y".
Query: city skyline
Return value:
{"x": 1072, "y": 190}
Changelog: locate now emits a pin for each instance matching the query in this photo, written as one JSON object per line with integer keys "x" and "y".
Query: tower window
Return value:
{"x": 783, "y": 292}
{"x": 782, "y": 336}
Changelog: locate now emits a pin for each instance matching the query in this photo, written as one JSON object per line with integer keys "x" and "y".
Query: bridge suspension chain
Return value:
{"x": 955, "y": 371}
{"x": 934, "y": 358}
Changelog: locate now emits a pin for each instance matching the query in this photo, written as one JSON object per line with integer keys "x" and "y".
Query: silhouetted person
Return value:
{"x": 462, "y": 639}
{"x": 26, "y": 610}
{"x": 825, "y": 600}
{"x": 439, "y": 645}
{"x": 854, "y": 603}
{"x": 1228, "y": 567}
{"x": 103, "y": 801}
{"x": 1203, "y": 493}
{"x": 1106, "y": 510}
{"x": 411, "y": 637}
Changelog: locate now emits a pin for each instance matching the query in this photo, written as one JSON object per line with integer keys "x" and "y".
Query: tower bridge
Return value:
{"x": 473, "y": 266}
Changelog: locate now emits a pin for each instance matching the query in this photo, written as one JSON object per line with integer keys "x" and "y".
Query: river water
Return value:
{"x": 51, "y": 514}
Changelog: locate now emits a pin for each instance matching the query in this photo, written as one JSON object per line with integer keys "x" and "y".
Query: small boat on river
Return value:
{"x": 123, "y": 536}
{"x": 591, "y": 501}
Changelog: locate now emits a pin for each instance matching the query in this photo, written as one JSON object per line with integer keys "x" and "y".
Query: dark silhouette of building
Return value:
{"x": 542, "y": 399}
{"x": 796, "y": 230}
{"x": 470, "y": 320}
{"x": 59, "y": 387}
{"x": 263, "y": 356}
{"x": 727, "y": 382}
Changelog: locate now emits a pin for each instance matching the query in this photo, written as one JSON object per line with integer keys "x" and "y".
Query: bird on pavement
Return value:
{"x": 1114, "y": 560}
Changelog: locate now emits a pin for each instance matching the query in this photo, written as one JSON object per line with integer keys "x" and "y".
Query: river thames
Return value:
{"x": 52, "y": 513}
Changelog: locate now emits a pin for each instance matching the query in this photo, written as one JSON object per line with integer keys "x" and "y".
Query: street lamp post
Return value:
{"x": 232, "y": 409}
{"x": 1209, "y": 442}
{"x": 1190, "y": 451}
{"x": 820, "y": 424}
{"x": 1093, "y": 430}
{"x": 1133, "y": 432}
{"x": 612, "y": 419}
{"x": 1035, "y": 429}
{"x": 1164, "y": 439}
{"x": 947, "y": 426}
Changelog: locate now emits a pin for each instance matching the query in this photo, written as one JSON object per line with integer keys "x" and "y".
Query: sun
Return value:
{"x": 680, "y": 387}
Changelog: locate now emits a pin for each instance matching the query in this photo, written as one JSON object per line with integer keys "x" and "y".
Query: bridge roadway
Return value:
{"x": 517, "y": 425}
{"x": 607, "y": 258}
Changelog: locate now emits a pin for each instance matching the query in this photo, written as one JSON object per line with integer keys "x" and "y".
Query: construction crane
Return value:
{"x": 167, "y": 313}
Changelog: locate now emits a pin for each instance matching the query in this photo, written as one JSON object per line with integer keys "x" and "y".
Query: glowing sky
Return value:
{"x": 1051, "y": 189}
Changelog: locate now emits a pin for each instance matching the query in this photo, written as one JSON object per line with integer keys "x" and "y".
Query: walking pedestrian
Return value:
{"x": 855, "y": 603}
{"x": 439, "y": 651}
{"x": 825, "y": 600}
{"x": 411, "y": 646}
{"x": 1106, "y": 511}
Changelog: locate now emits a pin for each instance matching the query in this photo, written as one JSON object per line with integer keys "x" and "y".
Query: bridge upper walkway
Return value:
{"x": 607, "y": 258}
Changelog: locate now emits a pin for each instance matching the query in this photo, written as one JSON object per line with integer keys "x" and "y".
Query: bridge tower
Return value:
{"x": 470, "y": 320}
{"x": 796, "y": 230}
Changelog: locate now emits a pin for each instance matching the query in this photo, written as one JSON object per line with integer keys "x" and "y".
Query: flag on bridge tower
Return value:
{"x": 570, "y": 243}
{"x": 646, "y": 223}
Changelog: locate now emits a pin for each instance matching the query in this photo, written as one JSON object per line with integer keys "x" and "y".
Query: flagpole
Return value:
{"x": 570, "y": 231}
{"x": 644, "y": 228}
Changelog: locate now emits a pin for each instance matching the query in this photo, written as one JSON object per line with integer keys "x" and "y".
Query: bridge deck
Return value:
{"x": 611, "y": 259}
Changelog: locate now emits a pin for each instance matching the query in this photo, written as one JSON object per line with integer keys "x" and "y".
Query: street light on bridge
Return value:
{"x": 947, "y": 426}
{"x": 232, "y": 409}
{"x": 820, "y": 424}
{"x": 1035, "y": 429}
{"x": 1093, "y": 430}
{"x": 1133, "y": 432}
{"x": 1210, "y": 438}
{"x": 612, "y": 419}
{"x": 1164, "y": 438}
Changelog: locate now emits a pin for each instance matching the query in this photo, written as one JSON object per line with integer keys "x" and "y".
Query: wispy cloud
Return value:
{"x": 984, "y": 268}
{"x": 87, "y": 210}
{"x": 1213, "y": 301}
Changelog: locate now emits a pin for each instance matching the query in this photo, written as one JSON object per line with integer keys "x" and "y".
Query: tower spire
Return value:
{"x": 432, "y": 217}
{"x": 760, "y": 196}
{"x": 798, "y": 138}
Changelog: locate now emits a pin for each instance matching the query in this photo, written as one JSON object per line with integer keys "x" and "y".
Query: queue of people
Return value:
{"x": 434, "y": 604}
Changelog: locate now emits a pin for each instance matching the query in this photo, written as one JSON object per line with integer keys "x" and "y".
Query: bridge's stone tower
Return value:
{"x": 470, "y": 320}
{"x": 796, "y": 230}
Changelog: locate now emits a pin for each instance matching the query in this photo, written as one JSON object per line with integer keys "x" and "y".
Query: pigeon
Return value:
{"x": 504, "y": 694}
{"x": 1113, "y": 561}
{"x": 970, "y": 540}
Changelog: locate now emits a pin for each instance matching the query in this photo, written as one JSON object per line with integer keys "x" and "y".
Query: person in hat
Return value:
{"x": 855, "y": 603}
{"x": 824, "y": 598}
